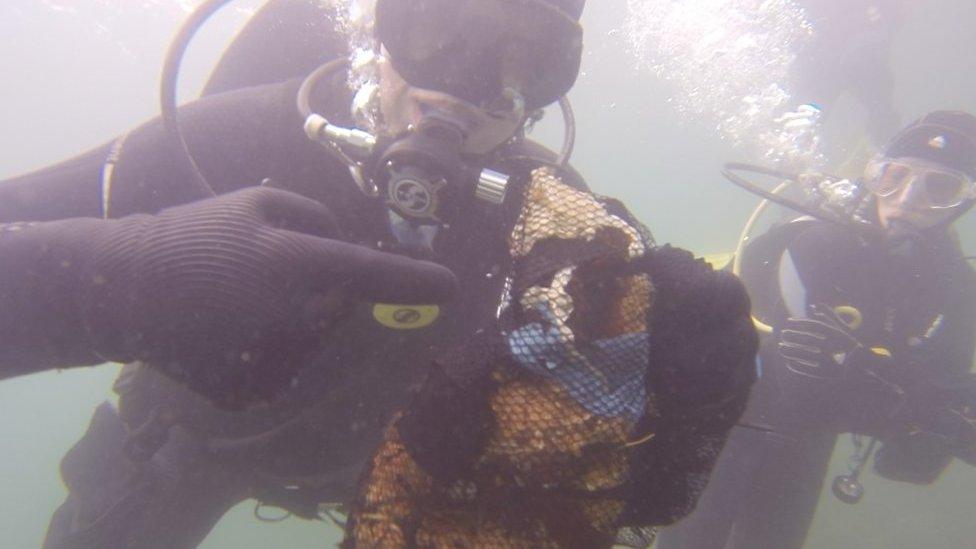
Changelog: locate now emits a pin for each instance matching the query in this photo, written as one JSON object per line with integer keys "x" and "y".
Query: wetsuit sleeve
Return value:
{"x": 41, "y": 326}
{"x": 942, "y": 407}
{"x": 238, "y": 139}
{"x": 244, "y": 130}
{"x": 914, "y": 425}
{"x": 68, "y": 189}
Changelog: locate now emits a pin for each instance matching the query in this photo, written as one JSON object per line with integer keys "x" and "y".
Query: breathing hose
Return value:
{"x": 569, "y": 132}
{"x": 168, "y": 89}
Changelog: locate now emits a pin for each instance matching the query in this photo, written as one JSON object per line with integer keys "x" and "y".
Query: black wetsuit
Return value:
{"x": 163, "y": 467}
{"x": 161, "y": 470}
{"x": 239, "y": 138}
{"x": 922, "y": 307}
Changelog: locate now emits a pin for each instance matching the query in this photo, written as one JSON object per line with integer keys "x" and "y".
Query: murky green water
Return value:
{"x": 67, "y": 87}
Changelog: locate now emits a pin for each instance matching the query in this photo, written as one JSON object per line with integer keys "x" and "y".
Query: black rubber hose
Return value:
{"x": 168, "y": 89}
{"x": 729, "y": 169}
{"x": 569, "y": 131}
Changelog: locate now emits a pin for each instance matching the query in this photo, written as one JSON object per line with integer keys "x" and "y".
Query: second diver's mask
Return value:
{"x": 917, "y": 200}
{"x": 939, "y": 187}
{"x": 925, "y": 175}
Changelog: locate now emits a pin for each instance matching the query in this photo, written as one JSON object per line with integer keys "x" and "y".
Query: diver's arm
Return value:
{"x": 41, "y": 268}
{"x": 244, "y": 130}
{"x": 69, "y": 189}
{"x": 237, "y": 138}
{"x": 940, "y": 418}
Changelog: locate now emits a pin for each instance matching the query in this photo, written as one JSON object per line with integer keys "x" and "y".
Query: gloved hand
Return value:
{"x": 228, "y": 293}
{"x": 820, "y": 346}
{"x": 831, "y": 379}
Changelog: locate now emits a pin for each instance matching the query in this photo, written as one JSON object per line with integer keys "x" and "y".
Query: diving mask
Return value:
{"x": 941, "y": 188}
{"x": 476, "y": 49}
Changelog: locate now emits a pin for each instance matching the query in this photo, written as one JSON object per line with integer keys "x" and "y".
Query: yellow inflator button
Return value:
{"x": 405, "y": 317}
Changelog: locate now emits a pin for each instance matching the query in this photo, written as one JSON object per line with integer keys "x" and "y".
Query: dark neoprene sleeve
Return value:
{"x": 68, "y": 189}
{"x": 237, "y": 138}
{"x": 39, "y": 327}
{"x": 40, "y": 278}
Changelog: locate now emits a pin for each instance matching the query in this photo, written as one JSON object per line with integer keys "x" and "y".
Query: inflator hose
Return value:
{"x": 168, "y": 89}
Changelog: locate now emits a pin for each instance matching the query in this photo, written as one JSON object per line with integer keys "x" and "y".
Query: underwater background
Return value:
{"x": 75, "y": 73}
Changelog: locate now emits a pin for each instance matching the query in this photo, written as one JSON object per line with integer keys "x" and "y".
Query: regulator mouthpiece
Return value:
{"x": 427, "y": 178}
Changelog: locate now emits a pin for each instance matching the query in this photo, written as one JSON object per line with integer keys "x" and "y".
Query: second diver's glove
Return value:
{"x": 830, "y": 379}
{"x": 226, "y": 294}
{"x": 821, "y": 346}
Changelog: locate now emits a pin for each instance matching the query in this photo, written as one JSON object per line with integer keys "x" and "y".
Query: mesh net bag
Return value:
{"x": 592, "y": 409}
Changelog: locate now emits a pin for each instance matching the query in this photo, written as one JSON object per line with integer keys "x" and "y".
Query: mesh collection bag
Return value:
{"x": 593, "y": 407}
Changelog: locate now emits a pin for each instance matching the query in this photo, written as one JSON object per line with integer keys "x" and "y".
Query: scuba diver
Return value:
{"x": 281, "y": 280}
{"x": 871, "y": 327}
{"x": 850, "y": 52}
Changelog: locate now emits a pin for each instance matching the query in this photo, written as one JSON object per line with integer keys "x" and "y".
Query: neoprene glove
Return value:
{"x": 820, "y": 346}
{"x": 225, "y": 294}
{"x": 830, "y": 379}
